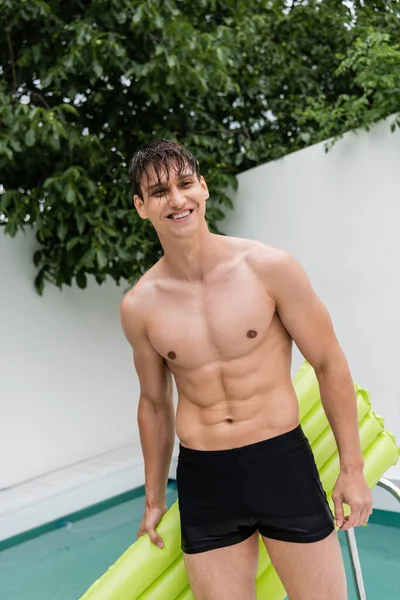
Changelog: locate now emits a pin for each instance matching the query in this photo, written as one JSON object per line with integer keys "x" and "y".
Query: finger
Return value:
{"x": 366, "y": 511}
{"x": 369, "y": 511}
{"x": 339, "y": 516}
{"x": 357, "y": 517}
{"x": 344, "y": 522}
{"x": 362, "y": 515}
{"x": 365, "y": 516}
{"x": 155, "y": 538}
{"x": 353, "y": 519}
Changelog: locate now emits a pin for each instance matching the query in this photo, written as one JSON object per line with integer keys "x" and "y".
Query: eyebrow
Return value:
{"x": 162, "y": 185}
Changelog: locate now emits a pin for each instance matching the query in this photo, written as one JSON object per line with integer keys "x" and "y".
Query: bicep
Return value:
{"x": 303, "y": 314}
{"x": 154, "y": 376}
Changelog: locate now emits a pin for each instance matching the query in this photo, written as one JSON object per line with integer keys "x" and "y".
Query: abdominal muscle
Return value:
{"x": 246, "y": 414}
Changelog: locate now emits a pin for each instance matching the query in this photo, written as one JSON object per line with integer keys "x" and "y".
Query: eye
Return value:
{"x": 186, "y": 183}
{"x": 159, "y": 192}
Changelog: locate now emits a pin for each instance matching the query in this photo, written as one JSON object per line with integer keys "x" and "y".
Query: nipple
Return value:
{"x": 171, "y": 355}
{"x": 252, "y": 333}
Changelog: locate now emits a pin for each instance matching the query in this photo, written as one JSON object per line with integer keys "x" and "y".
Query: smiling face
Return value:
{"x": 174, "y": 200}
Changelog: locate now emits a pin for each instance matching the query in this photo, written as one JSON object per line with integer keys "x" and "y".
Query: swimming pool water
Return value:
{"x": 62, "y": 564}
{"x": 379, "y": 550}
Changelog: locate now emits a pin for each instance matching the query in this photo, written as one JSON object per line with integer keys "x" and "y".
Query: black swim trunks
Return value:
{"x": 271, "y": 486}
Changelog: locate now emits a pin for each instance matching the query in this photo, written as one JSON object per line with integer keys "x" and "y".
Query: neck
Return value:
{"x": 193, "y": 258}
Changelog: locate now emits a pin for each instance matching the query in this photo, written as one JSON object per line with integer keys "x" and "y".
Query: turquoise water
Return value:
{"x": 379, "y": 550}
{"x": 62, "y": 564}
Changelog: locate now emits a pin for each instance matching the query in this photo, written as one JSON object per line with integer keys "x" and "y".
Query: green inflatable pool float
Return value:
{"x": 145, "y": 572}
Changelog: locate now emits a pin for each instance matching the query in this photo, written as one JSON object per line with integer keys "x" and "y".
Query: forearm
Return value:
{"x": 157, "y": 435}
{"x": 340, "y": 405}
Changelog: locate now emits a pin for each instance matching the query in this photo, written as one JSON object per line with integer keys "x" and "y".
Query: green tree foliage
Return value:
{"x": 240, "y": 82}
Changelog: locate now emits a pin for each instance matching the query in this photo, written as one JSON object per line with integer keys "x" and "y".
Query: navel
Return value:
{"x": 251, "y": 334}
{"x": 228, "y": 420}
{"x": 171, "y": 355}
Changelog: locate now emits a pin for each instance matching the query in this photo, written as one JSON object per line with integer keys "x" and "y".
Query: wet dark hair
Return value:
{"x": 162, "y": 155}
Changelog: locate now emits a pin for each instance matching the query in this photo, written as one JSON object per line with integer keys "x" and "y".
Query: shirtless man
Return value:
{"x": 219, "y": 315}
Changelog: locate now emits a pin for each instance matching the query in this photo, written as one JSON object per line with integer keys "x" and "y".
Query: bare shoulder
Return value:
{"x": 270, "y": 259}
{"x": 137, "y": 302}
{"x": 262, "y": 257}
{"x": 138, "y": 296}
{"x": 276, "y": 267}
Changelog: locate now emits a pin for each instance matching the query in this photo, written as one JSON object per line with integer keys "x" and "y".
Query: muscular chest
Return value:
{"x": 223, "y": 320}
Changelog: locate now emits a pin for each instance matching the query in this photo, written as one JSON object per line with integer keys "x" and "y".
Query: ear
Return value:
{"x": 139, "y": 205}
{"x": 204, "y": 186}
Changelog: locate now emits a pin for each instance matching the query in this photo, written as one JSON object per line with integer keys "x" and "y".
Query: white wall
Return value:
{"x": 339, "y": 215}
{"x": 68, "y": 389}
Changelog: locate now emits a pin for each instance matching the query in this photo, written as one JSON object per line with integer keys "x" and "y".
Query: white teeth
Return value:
{"x": 181, "y": 215}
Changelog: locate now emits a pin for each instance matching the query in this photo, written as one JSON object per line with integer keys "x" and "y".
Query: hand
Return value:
{"x": 352, "y": 489}
{"x": 151, "y": 519}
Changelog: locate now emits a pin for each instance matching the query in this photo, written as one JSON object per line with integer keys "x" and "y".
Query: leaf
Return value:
{"x": 72, "y": 243}
{"x": 138, "y": 15}
{"x": 88, "y": 259}
{"x": 7, "y": 151}
{"x": 80, "y": 221}
{"x": 81, "y": 280}
{"x": 39, "y": 282}
{"x": 109, "y": 230}
{"x": 171, "y": 61}
{"x": 70, "y": 194}
{"x": 101, "y": 278}
{"x": 124, "y": 254}
{"x": 16, "y": 146}
{"x": 70, "y": 109}
{"x": 47, "y": 80}
{"x": 37, "y": 257}
{"x": 102, "y": 259}
{"x": 98, "y": 69}
{"x": 48, "y": 182}
{"x": 62, "y": 230}
{"x": 5, "y": 200}
{"x": 30, "y": 138}
{"x": 91, "y": 187}
{"x": 11, "y": 227}
{"x": 305, "y": 136}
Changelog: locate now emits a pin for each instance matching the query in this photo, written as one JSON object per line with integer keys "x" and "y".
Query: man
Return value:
{"x": 219, "y": 315}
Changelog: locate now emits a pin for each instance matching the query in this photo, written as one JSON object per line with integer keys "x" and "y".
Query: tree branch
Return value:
{"x": 14, "y": 74}
{"x": 39, "y": 97}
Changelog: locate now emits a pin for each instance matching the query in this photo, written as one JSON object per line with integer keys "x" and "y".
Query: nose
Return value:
{"x": 175, "y": 198}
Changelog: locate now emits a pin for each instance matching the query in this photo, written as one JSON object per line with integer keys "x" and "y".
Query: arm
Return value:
{"x": 156, "y": 415}
{"x": 307, "y": 321}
